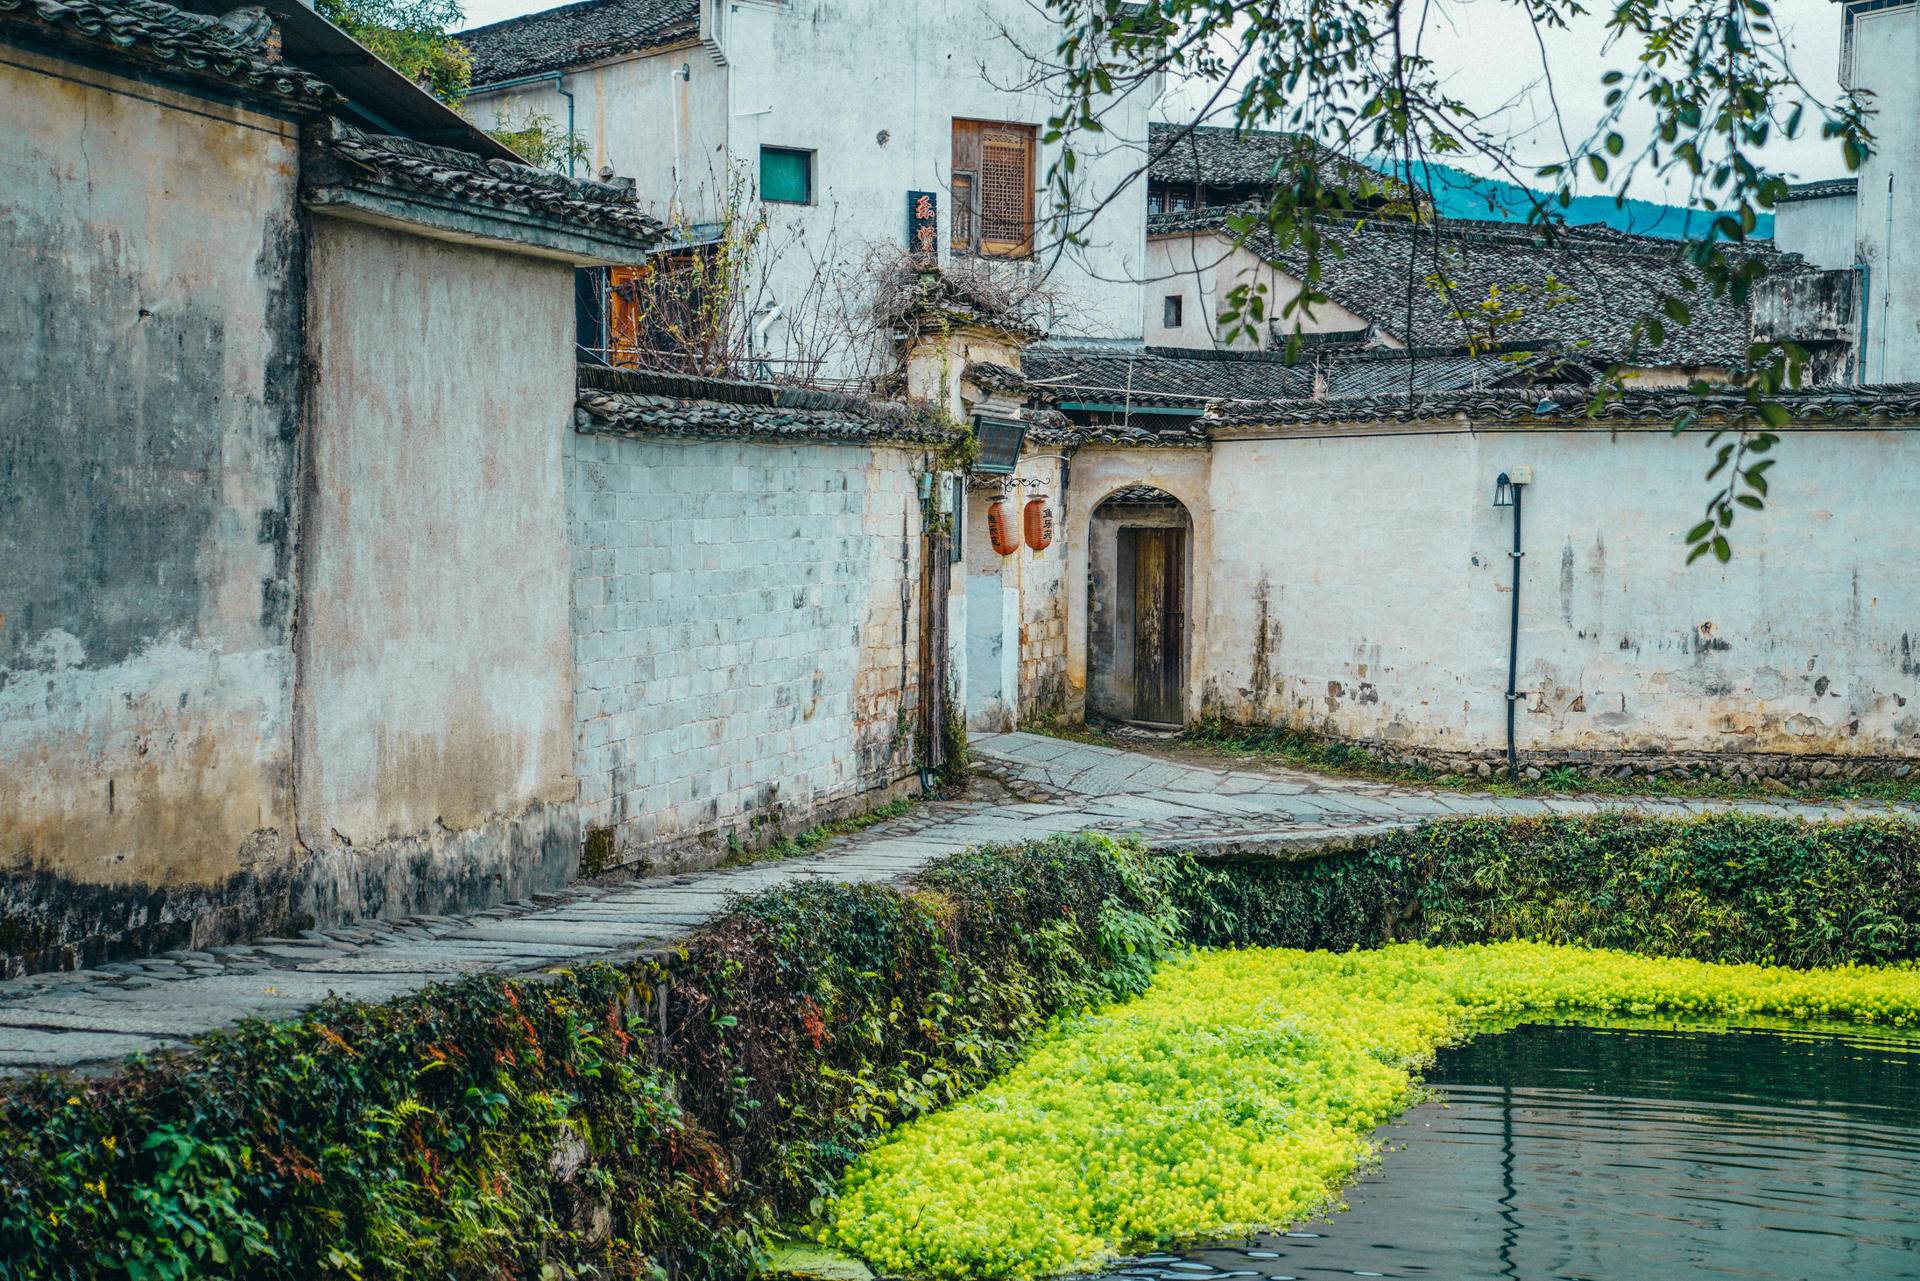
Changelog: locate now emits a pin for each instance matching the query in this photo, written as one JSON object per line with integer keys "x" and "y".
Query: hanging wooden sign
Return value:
{"x": 923, "y": 225}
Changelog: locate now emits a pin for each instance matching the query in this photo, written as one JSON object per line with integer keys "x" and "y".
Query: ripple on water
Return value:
{"x": 1627, "y": 1154}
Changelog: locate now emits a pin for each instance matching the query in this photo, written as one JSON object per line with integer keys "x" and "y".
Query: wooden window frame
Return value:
{"x": 805, "y": 153}
{"x": 1172, "y": 311}
{"x": 973, "y": 189}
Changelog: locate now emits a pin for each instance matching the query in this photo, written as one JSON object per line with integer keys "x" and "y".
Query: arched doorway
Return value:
{"x": 1139, "y": 585}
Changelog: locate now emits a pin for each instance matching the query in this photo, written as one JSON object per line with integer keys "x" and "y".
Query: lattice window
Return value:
{"x": 993, "y": 167}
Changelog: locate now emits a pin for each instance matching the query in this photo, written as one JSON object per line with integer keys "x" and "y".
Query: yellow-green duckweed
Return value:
{"x": 1240, "y": 1092}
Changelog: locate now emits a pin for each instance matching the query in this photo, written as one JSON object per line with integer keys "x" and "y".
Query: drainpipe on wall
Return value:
{"x": 1865, "y": 312}
{"x": 559, "y": 86}
{"x": 1507, "y": 492}
{"x": 1886, "y": 286}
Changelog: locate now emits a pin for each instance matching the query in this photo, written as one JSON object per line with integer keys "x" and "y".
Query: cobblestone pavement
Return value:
{"x": 95, "y": 1016}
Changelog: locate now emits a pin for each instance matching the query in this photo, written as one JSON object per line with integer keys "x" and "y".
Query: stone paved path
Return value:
{"x": 95, "y": 1016}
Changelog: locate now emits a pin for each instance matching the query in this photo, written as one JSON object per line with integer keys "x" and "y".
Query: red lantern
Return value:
{"x": 1000, "y": 528}
{"x": 1039, "y": 523}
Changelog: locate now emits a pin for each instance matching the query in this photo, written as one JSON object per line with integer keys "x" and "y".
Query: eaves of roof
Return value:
{"x": 240, "y": 61}
{"x": 1894, "y": 405}
{"x": 1820, "y": 189}
{"x": 460, "y": 196}
{"x": 642, "y": 403}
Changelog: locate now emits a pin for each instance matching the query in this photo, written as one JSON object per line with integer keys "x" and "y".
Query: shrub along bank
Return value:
{"x": 551, "y": 1129}
{"x": 497, "y": 1128}
{"x": 1724, "y": 888}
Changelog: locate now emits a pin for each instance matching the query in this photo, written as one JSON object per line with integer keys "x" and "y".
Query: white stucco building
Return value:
{"x": 838, "y": 114}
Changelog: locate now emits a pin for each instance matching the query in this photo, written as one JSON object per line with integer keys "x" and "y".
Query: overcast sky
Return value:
{"x": 1488, "y": 50}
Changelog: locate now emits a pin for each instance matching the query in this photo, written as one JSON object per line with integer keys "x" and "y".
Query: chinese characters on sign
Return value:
{"x": 923, "y": 224}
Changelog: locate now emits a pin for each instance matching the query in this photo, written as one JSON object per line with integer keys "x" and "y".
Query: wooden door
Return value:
{"x": 936, "y": 580}
{"x": 1159, "y": 623}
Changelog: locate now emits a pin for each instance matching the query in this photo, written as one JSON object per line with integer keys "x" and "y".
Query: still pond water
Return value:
{"x": 1609, "y": 1154}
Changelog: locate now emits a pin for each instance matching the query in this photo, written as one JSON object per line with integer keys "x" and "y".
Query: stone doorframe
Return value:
{"x": 1099, "y": 471}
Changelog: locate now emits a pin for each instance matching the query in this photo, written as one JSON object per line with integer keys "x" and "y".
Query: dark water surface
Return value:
{"x": 1629, "y": 1155}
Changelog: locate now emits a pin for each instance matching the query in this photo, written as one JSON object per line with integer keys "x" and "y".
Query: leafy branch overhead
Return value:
{"x": 412, "y": 36}
{"x": 1694, "y": 91}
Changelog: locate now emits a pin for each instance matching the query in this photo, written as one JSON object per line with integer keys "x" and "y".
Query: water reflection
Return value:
{"x": 1617, "y": 1154}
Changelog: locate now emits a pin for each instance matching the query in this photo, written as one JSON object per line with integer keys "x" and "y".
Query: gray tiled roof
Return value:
{"x": 1232, "y": 161}
{"x": 466, "y": 177}
{"x": 1821, "y": 189}
{"x": 1877, "y": 406}
{"x": 239, "y": 52}
{"x": 1386, "y": 373}
{"x": 1606, "y": 280}
{"x": 1167, "y": 377}
{"x": 644, "y": 403}
{"x": 1161, "y": 377}
{"x": 576, "y": 34}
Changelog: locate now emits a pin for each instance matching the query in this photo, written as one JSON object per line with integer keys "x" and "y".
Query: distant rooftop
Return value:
{"x": 1223, "y": 165}
{"x": 635, "y": 402}
{"x": 1465, "y": 281}
{"x": 574, "y": 35}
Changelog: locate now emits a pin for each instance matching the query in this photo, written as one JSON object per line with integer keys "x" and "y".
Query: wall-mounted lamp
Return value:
{"x": 1507, "y": 492}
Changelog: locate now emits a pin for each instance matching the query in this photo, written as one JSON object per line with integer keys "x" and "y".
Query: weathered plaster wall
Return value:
{"x": 1203, "y": 270}
{"x": 1884, "y": 49}
{"x": 1821, "y": 231}
{"x": 434, "y": 750}
{"x": 1016, "y": 611}
{"x": 641, "y": 117}
{"x": 149, "y": 312}
{"x": 1361, "y": 587}
{"x": 872, "y": 89}
{"x": 747, "y": 630}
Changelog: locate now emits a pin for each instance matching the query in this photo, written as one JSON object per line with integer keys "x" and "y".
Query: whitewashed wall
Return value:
{"x": 1016, "y": 610}
{"x": 433, "y": 720}
{"x": 746, "y": 633}
{"x": 1885, "y": 50}
{"x": 1358, "y": 584}
{"x": 872, "y": 88}
{"x": 659, "y": 120}
{"x": 1202, "y": 270}
{"x": 1821, "y": 231}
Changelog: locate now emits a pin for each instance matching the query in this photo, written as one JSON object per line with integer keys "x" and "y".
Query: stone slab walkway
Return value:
{"x": 93, "y": 1017}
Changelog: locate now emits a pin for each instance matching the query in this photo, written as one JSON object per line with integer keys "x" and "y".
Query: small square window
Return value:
{"x": 1170, "y": 312}
{"x": 786, "y": 175}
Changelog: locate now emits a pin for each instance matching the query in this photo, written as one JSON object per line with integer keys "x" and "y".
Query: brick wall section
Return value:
{"x": 738, "y": 638}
